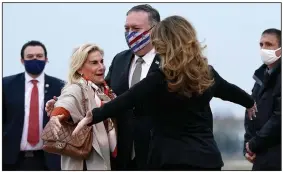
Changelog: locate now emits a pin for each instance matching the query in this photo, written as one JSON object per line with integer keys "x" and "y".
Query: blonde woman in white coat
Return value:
{"x": 88, "y": 69}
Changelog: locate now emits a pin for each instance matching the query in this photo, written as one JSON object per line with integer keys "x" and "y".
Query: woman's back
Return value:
{"x": 183, "y": 132}
{"x": 182, "y": 125}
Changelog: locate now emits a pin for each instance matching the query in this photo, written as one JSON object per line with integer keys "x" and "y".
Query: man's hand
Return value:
{"x": 50, "y": 105}
{"x": 250, "y": 158}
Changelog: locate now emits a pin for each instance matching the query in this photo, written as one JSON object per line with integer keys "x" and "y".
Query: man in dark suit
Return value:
{"x": 127, "y": 68}
{"x": 24, "y": 98}
{"x": 262, "y": 145}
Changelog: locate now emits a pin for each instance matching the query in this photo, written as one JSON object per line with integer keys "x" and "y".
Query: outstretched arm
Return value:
{"x": 230, "y": 92}
{"x": 144, "y": 90}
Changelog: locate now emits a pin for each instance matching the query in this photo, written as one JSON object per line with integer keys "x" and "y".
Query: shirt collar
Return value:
{"x": 148, "y": 57}
{"x": 40, "y": 78}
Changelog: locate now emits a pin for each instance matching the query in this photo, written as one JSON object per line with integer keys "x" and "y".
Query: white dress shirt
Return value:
{"x": 25, "y": 146}
{"x": 148, "y": 59}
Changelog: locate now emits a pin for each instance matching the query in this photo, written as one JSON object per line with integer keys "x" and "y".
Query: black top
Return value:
{"x": 182, "y": 132}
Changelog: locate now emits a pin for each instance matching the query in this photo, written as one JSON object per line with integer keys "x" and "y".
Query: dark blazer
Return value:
{"x": 182, "y": 126}
{"x": 264, "y": 132}
{"x": 132, "y": 124}
{"x": 13, "y": 116}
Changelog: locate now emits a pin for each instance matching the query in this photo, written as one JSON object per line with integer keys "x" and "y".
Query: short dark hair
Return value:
{"x": 275, "y": 32}
{"x": 153, "y": 14}
{"x": 33, "y": 43}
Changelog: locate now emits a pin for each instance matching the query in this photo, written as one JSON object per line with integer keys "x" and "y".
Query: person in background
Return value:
{"x": 262, "y": 139}
{"x": 24, "y": 97}
{"x": 179, "y": 92}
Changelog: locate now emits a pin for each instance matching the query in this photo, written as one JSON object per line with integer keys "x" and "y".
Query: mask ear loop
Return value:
{"x": 276, "y": 51}
{"x": 151, "y": 27}
{"x": 148, "y": 30}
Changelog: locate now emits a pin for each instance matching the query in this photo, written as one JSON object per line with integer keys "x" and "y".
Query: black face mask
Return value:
{"x": 35, "y": 66}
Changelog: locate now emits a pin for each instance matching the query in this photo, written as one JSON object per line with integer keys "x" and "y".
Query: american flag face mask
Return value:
{"x": 137, "y": 40}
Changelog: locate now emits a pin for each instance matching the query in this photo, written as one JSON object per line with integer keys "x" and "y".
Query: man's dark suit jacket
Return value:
{"x": 14, "y": 113}
{"x": 133, "y": 124}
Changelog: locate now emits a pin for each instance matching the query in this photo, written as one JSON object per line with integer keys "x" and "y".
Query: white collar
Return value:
{"x": 148, "y": 57}
{"x": 40, "y": 78}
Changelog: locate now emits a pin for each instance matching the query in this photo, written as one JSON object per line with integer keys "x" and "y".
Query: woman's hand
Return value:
{"x": 83, "y": 123}
{"x": 250, "y": 158}
{"x": 56, "y": 125}
{"x": 252, "y": 112}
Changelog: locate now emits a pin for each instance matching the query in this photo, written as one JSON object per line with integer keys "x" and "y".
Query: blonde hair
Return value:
{"x": 182, "y": 61}
{"x": 78, "y": 59}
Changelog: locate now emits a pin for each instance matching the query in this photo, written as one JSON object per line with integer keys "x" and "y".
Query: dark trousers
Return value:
{"x": 185, "y": 167}
{"x": 28, "y": 161}
{"x": 133, "y": 165}
{"x": 113, "y": 162}
{"x": 266, "y": 168}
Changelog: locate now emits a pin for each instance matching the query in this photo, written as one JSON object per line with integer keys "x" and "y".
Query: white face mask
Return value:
{"x": 268, "y": 56}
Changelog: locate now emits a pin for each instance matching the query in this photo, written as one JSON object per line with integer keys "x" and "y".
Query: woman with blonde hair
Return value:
{"x": 85, "y": 82}
{"x": 182, "y": 137}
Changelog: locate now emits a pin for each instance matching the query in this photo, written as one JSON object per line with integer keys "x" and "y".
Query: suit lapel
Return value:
{"x": 125, "y": 76}
{"x": 20, "y": 96}
{"x": 126, "y": 71}
{"x": 47, "y": 96}
{"x": 155, "y": 64}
